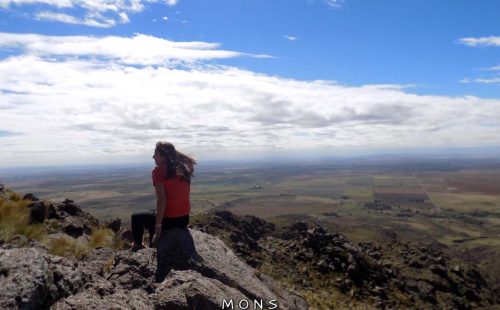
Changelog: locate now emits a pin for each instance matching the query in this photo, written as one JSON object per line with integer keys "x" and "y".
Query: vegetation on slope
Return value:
{"x": 15, "y": 226}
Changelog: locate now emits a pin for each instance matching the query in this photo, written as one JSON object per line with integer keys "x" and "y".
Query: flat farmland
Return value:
{"x": 475, "y": 182}
{"x": 466, "y": 202}
{"x": 272, "y": 205}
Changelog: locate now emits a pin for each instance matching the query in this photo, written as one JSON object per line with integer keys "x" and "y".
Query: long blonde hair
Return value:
{"x": 178, "y": 164}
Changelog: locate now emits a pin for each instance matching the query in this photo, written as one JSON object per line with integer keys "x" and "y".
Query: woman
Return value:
{"x": 172, "y": 180}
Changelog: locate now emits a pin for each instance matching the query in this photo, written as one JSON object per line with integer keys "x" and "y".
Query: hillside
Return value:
{"x": 333, "y": 272}
{"x": 54, "y": 255}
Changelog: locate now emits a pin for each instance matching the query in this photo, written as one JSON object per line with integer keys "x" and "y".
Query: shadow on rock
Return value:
{"x": 175, "y": 250}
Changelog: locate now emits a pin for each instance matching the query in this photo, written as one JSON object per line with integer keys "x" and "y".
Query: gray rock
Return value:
{"x": 37, "y": 212}
{"x": 134, "y": 270}
{"x": 438, "y": 269}
{"x": 99, "y": 260}
{"x": 426, "y": 290}
{"x": 191, "y": 290}
{"x": 32, "y": 280}
{"x": 67, "y": 277}
{"x": 74, "y": 226}
{"x": 120, "y": 300}
{"x": 126, "y": 234}
{"x": 19, "y": 241}
{"x": 31, "y": 197}
{"x": 114, "y": 225}
{"x": 219, "y": 262}
{"x": 289, "y": 299}
{"x": 24, "y": 277}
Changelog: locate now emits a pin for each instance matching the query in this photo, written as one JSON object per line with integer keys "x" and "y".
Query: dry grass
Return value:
{"x": 66, "y": 246}
{"x": 326, "y": 299}
{"x": 101, "y": 238}
{"x": 321, "y": 296}
{"x": 14, "y": 219}
{"x": 106, "y": 238}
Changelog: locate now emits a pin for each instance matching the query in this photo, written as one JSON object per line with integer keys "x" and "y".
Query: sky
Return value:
{"x": 94, "y": 81}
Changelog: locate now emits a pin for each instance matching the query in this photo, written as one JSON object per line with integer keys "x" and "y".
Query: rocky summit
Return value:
{"x": 32, "y": 279}
{"x": 102, "y": 278}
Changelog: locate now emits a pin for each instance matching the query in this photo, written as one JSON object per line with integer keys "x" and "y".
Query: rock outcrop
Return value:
{"x": 31, "y": 279}
{"x": 197, "y": 270}
{"x": 389, "y": 274}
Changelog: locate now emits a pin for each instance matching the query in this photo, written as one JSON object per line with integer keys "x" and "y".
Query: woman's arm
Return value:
{"x": 161, "y": 199}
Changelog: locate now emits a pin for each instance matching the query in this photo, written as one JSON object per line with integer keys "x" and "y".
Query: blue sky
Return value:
{"x": 232, "y": 77}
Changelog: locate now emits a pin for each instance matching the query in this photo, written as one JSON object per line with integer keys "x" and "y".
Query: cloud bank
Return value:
{"x": 139, "y": 49}
{"x": 97, "y": 103}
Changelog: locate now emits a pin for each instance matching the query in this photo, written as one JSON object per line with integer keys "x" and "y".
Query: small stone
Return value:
{"x": 438, "y": 269}
{"x": 31, "y": 197}
{"x": 415, "y": 264}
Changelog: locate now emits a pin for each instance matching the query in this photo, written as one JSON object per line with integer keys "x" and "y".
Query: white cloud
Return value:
{"x": 493, "y": 80}
{"x": 54, "y": 3}
{"x": 332, "y": 3}
{"x": 124, "y": 17}
{"x": 483, "y": 41}
{"x": 171, "y": 2}
{"x": 165, "y": 18}
{"x": 140, "y": 49}
{"x": 69, "y": 19}
{"x": 291, "y": 38}
{"x": 104, "y": 108}
{"x": 495, "y": 68}
{"x": 96, "y": 13}
{"x": 335, "y": 3}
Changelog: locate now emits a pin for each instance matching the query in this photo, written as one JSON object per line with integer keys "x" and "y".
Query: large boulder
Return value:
{"x": 134, "y": 270}
{"x": 191, "y": 290}
{"x": 219, "y": 262}
{"x": 24, "y": 278}
{"x": 74, "y": 226}
{"x": 37, "y": 211}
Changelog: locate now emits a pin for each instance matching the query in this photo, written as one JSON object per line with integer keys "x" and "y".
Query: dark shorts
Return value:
{"x": 175, "y": 222}
{"x": 147, "y": 220}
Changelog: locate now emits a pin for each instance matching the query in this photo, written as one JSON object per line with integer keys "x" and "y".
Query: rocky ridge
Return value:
{"x": 31, "y": 278}
{"x": 390, "y": 275}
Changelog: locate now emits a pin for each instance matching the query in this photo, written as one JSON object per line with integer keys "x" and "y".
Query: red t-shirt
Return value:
{"x": 176, "y": 192}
